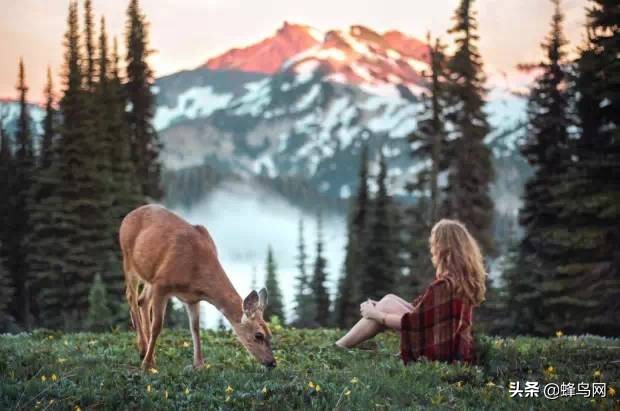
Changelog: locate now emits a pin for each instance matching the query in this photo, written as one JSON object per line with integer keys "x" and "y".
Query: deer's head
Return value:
{"x": 253, "y": 332}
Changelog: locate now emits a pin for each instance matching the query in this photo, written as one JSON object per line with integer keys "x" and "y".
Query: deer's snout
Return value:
{"x": 270, "y": 364}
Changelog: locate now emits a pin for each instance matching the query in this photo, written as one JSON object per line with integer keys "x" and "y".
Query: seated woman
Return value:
{"x": 437, "y": 324}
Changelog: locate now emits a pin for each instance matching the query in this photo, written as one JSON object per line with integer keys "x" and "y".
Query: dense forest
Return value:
{"x": 65, "y": 195}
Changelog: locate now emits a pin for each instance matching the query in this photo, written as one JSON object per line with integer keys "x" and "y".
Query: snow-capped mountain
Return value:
{"x": 331, "y": 92}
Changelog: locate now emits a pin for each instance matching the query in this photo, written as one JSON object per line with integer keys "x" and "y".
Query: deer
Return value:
{"x": 170, "y": 257}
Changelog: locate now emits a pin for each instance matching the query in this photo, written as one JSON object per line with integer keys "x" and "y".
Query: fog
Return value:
{"x": 244, "y": 219}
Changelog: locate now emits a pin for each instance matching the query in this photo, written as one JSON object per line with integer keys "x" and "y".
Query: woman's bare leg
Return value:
{"x": 365, "y": 329}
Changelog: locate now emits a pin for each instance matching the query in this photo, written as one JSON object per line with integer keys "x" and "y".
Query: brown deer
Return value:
{"x": 174, "y": 258}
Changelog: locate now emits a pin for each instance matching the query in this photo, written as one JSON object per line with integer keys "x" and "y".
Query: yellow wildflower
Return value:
{"x": 347, "y": 393}
{"x": 43, "y": 378}
{"x": 229, "y": 389}
{"x": 490, "y": 384}
{"x": 54, "y": 377}
{"x": 597, "y": 374}
{"x": 264, "y": 390}
{"x": 611, "y": 392}
{"x": 77, "y": 408}
{"x": 185, "y": 344}
{"x": 50, "y": 337}
{"x": 51, "y": 401}
{"x": 550, "y": 370}
{"x": 559, "y": 333}
{"x": 148, "y": 388}
{"x": 354, "y": 380}
{"x": 459, "y": 384}
{"x": 318, "y": 388}
{"x": 207, "y": 366}
{"x": 187, "y": 391}
{"x": 227, "y": 398}
{"x": 311, "y": 384}
{"x": 153, "y": 371}
{"x": 61, "y": 360}
{"x": 166, "y": 394}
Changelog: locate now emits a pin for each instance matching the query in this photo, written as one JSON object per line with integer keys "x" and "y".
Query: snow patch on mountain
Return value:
{"x": 195, "y": 102}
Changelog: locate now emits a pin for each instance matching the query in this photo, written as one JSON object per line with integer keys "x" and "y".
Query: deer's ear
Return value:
{"x": 263, "y": 298}
{"x": 251, "y": 303}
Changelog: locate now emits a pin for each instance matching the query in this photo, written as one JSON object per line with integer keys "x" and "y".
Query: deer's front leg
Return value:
{"x": 158, "y": 310}
{"x": 193, "y": 312}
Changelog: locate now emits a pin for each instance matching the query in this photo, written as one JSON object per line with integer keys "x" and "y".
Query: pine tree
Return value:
{"x": 319, "y": 276}
{"x": 43, "y": 184}
{"x": 429, "y": 141}
{"x": 43, "y": 258}
{"x": 430, "y": 149}
{"x": 382, "y": 247}
{"x": 275, "y": 307}
{"x": 546, "y": 149}
{"x": 471, "y": 170}
{"x": 85, "y": 244}
{"x": 584, "y": 295}
{"x": 145, "y": 141}
{"x": 304, "y": 305}
{"x": 6, "y": 182}
{"x": 99, "y": 313}
{"x": 349, "y": 287}
{"x": 121, "y": 184}
{"x": 19, "y": 219}
{"x": 220, "y": 324}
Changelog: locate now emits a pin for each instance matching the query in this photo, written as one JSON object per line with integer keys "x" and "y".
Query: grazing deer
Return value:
{"x": 174, "y": 258}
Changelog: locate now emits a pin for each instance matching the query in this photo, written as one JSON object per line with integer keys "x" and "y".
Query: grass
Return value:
{"x": 53, "y": 371}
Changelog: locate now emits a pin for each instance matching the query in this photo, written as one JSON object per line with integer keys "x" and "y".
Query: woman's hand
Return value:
{"x": 369, "y": 311}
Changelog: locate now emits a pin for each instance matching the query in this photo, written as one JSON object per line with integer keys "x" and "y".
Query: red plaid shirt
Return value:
{"x": 439, "y": 327}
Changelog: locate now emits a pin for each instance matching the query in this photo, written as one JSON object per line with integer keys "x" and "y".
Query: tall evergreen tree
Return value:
{"x": 6, "y": 182}
{"x": 428, "y": 142}
{"x": 145, "y": 141}
{"x": 349, "y": 286}
{"x": 99, "y": 312}
{"x": 319, "y": 276}
{"x": 304, "y": 305}
{"x": 120, "y": 181}
{"x": 471, "y": 170}
{"x": 85, "y": 244}
{"x": 430, "y": 148}
{"x": 275, "y": 307}
{"x": 585, "y": 293}
{"x": 19, "y": 219}
{"x": 546, "y": 149}
{"x": 382, "y": 245}
{"x": 43, "y": 238}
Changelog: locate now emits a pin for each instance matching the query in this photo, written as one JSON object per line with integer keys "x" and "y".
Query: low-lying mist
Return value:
{"x": 244, "y": 219}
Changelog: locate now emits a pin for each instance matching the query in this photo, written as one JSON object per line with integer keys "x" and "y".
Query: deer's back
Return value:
{"x": 157, "y": 242}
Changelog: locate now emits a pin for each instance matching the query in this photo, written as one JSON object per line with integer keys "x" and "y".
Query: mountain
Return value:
{"x": 299, "y": 105}
{"x": 309, "y": 117}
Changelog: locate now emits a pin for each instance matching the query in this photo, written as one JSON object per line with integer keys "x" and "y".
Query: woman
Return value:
{"x": 437, "y": 324}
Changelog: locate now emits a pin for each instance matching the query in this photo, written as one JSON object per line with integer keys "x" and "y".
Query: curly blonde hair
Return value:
{"x": 457, "y": 255}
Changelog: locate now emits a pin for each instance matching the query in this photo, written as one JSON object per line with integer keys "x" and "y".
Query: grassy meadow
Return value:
{"x": 46, "y": 370}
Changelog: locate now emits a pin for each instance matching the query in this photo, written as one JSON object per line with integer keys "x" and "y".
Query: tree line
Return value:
{"x": 66, "y": 191}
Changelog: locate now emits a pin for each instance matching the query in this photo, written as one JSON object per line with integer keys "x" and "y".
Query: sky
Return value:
{"x": 185, "y": 33}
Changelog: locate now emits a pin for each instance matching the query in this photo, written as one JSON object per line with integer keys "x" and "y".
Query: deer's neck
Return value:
{"x": 227, "y": 300}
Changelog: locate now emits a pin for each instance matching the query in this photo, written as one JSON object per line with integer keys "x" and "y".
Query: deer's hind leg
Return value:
{"x": 131, "y": 291}
{"x": 144, "y": 304}
{"x": 158, "y": 303}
